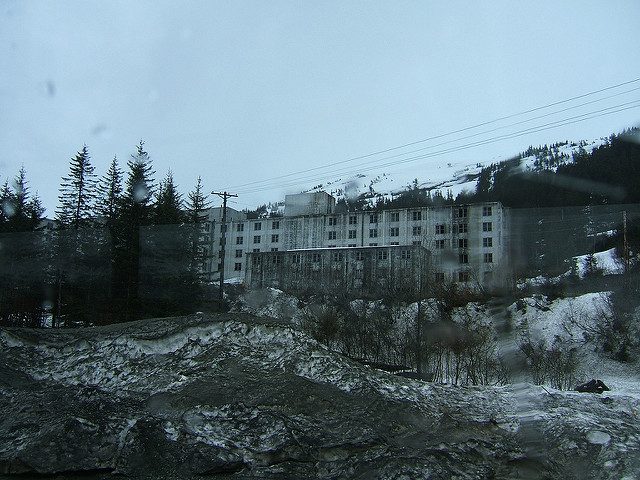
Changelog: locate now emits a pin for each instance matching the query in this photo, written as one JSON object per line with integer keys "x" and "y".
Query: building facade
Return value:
{"x": 468, "y": 244}
{"x": 375, "y": 270}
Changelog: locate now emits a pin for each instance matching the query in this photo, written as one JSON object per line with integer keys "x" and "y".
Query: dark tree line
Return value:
{"x": 122, "y": 247}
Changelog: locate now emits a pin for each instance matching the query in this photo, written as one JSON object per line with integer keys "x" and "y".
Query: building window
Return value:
{"x": 488, "y": 258}
{"x": 257, "y": 261}
{"x": 237, "y": 267}
{"x": 257, "y": 226}
{"x": 296, "y": 258}
{"x": 373, "y": 233}
{"x": 417, "y": 231}
{"x": 238, "y": 253}
{"x": 463, "y": 258}
{"x": 315, "y": 258}
{"x": 373, "y": 218}
{"x": 373, "y": 244}
{"x": 277, "y": 259}
{"x": 439, "y": 276}
{"x": 463, "y": 228}
{"x": 416, "y": 242}
{"x": 405, "y": 254}
{"x": 394, "y": 243}
{"x": 331, "y": 246}
{"x": 256, "y": 250}
{"x": 275, "y": 238}
{"x": 352, "y": 234}
{"x": 351, "y": 245}
{"x": 461, "y": 212}
{"x": 275, "y": 225}
{"x": 486, "y": 211}
{"x": 487, "y": 226}
{"x": 360, "y": 256}
{"x": 463, "y": 276}
{"x": 336, "y": 256}
{"x": 274, "y": 249}
{"x": 382, "y": 254}
{"x": 416, "y": 216}
{"x": 332, "y": 235}
{"x": 394, "y": 217}
{"x": 353, "y": 220}
{"x": 333, "y": 221}
{"x": 487, "y": 242}
{"x": 440, "y": 229}
{"x": 239, "y": 240}
{"x": 240, "y": 227}
{"x": 256, "y": 239}
{"x": 219, "y": 266}
{"x": 463, "y": 243}
{"x": 394, "y": 232}
{"x": 223, "y": 228}
{"x": 440, "y": 244}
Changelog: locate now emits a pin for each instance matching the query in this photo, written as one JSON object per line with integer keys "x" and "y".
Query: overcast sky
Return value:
{"x": 242, "y": 91}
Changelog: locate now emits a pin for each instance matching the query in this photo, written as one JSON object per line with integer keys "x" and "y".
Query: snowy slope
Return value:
{"x": 455, "y": 176}
{"x": 247, "y": 398}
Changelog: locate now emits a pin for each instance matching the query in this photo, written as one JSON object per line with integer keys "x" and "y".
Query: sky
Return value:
{"x": 246, "y": 91}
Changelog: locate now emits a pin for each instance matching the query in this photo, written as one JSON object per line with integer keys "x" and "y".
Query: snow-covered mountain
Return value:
{"x": 454, "y": 177}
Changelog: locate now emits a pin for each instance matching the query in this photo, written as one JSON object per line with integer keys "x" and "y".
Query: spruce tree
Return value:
{"x": 168, "y": 205}
{"x": 136, "y": 211}
{"x": 35, "y": 212}
{"x": 17, "y": 204}
{"x": 198, "y": 205}
{"x": 6, "y": 206}
{"x": 137, "y": 205}
{"x": 196, "y": 214}
{"x": 109, "y": 191}
{"x": 77, "y": 193}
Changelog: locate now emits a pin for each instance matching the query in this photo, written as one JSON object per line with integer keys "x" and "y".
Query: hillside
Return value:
{"x": 564, "y": 173}
{"x": 240, "y": 397}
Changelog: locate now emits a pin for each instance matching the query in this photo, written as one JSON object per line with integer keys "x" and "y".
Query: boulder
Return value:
{"x": 592, "y": 386}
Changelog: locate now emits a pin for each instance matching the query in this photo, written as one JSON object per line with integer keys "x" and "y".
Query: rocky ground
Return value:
{"x": 235, "y": 396}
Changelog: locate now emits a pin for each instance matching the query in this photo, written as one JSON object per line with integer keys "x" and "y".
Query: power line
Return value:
{"x": 435, "y": 137}
{"x": 520, "y": 133}
{"x": 547, "y": 126}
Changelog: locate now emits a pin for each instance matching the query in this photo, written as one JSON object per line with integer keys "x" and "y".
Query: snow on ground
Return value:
{"x": 564, "y": 319}
{"x": 607, "y": 262}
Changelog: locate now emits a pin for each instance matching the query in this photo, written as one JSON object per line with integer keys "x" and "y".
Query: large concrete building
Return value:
{"x": 467, "y": 243}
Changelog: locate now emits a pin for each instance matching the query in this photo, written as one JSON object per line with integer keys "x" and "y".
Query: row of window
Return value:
{"x": 464, "y": 258}
{"x": 275, "y": 238}
{"x": 275, "y": 225}
{"x": 373, "y": 232}
{"x": 416, "y": 216}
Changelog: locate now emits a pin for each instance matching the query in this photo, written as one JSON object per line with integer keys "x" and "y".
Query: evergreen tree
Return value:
{"x": 17, "y": 204}
{"x": 77, "y": 193}
{"x": 35, "y": 212}
{"x": 168, "y": 205}
{"x": 137, "y": 205}
{"x": 109, "y": 201}
{"x": 136, "y": 211}
{"x": 6, "y": 206}
{"x": 197, "y": 205}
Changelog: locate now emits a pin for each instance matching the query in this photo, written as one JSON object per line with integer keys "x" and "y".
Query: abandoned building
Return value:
{"x": 467, "y": 244}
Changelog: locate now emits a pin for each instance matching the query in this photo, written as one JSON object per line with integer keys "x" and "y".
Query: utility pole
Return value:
{"x": 223, "y": 237}
{"x": 625, "y": 247}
